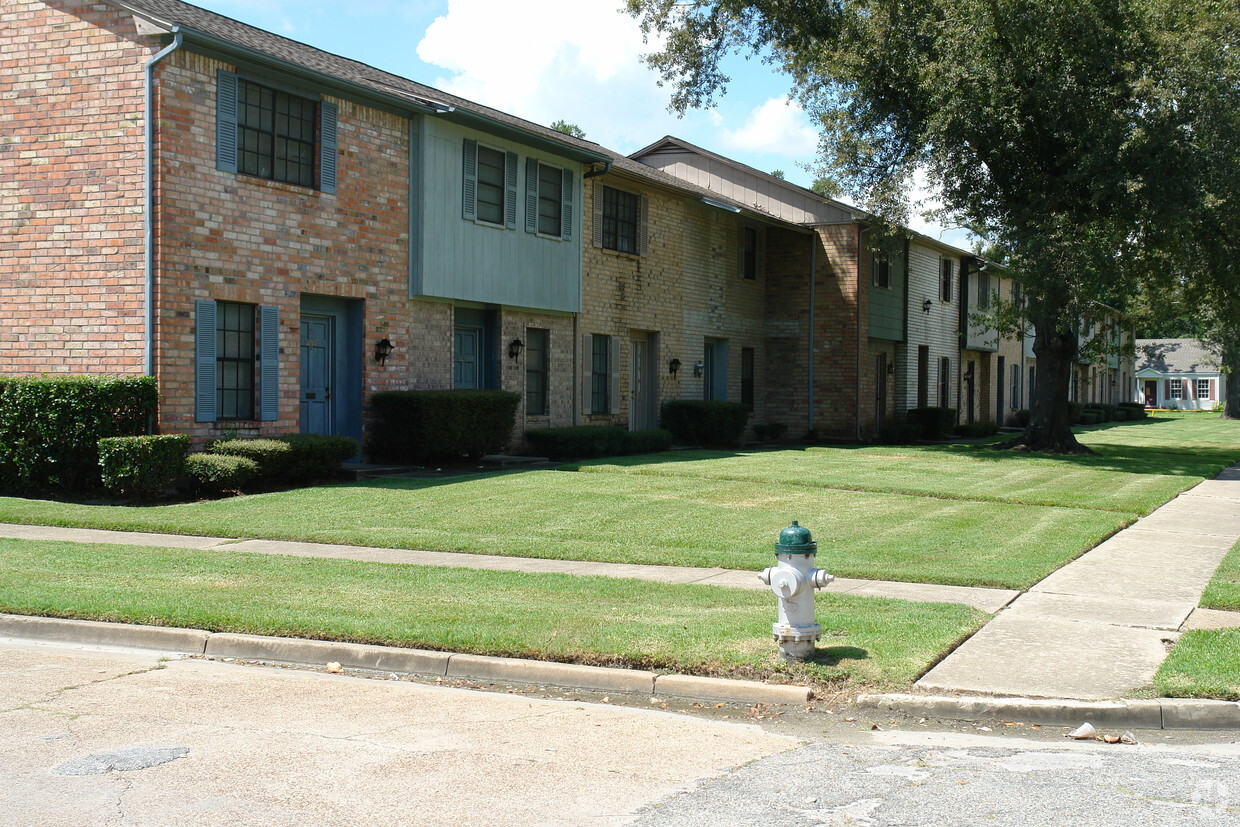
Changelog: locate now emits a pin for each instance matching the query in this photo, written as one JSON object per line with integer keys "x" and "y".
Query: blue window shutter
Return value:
{"x": 510, "y": 195}
{"x": 269, "y": 364}
{"x": 566, "y": 206}
{"x": 204, "y": 361}
{"x": 469, "y": 187}
{"x": 531, "y": 195}
{"x": 327, "y": 146}
{"x": 225, "y": 121}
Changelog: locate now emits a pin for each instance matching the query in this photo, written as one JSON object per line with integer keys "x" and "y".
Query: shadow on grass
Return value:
{"x": 834, "y": 655}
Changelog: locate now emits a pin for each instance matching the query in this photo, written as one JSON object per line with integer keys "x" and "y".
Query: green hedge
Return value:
{"x": 272, "y": 456}
{"x": 50, "y": 428}
{"x": 899, "y": 433}
{"x": 701, "y": 422}
{"x": 769, "y": 431}
{"x": 316, "y": 457}
{"x": 935, "y": 423}
{"x": 974, "y": 430}
{"x": 1075, "y": 411}
{"x": 1023, "y": 416}
{"x": 580, "y": 441}
{"x": 219, "y": 473}
{"x": 140, "y": 466}
{"x": 410, "y": 426}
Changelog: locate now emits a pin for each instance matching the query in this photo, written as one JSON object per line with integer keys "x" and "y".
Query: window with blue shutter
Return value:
{"x": 548, "y": 200}
{"x": 273, "y": 134}
{"x": 204, "y": 361}
{"x": 269, "y": 363}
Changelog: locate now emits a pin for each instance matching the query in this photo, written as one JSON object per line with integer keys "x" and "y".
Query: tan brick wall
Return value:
{"x": 687, "y": 287}
{"x": 71, "y": 184}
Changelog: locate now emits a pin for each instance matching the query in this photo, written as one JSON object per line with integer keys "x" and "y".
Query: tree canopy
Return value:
{"x": 1053, "y": 127}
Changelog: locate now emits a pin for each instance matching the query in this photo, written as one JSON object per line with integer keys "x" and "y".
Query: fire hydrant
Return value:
{"x": 794, "y": 579}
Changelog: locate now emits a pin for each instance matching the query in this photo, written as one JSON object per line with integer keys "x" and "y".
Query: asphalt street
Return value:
{"x": 91, "y": 736}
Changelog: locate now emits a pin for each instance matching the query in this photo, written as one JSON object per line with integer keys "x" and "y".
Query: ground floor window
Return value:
{"x": 747, "y": 377}
{"x": 234, "y": 360}
{"x": 1177, "y": 388}
{"x": 945, "y": 382}
{"x": 536, "y": 347}
{"x": 1203, "y": 388}
{"x": 600, "y": 374}
{"x": 1014, "y": 393}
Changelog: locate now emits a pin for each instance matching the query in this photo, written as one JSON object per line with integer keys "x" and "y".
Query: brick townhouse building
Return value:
{"x": 275, "y": 233}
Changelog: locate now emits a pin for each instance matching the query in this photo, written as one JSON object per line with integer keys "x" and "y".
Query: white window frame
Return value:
{"x": 1177, "y": 388}
{"x": 1203, "y": 389}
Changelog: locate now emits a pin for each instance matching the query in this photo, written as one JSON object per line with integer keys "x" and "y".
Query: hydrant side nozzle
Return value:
{"x": 765, "y": 576}
{"x": 822, "y": 579}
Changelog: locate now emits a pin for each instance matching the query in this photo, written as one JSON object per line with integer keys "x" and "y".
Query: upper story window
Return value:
{"x": 488, "y": 185}
{"x": 945, "y": 279}
{"x": 882, "y": 270}
{"x": 550, "y": 199}
{"x": 491, "y": 171}
{"x": 749, "y": 253}
{"x": 618, "y": 219}
{"x": 983, "y": 289}
{"x": 275, "y": 134}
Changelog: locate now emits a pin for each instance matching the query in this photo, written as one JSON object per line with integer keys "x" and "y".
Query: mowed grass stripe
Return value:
{"x": 637, "y": 519}
{"x": 592, "y": 620}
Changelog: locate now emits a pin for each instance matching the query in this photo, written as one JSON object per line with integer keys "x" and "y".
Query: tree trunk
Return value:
{"x": 1228, "y": 373}
{"x": 1050, "y": 425}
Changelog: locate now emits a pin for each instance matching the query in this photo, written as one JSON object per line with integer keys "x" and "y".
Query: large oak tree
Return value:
{"x": 1045, "y": 125}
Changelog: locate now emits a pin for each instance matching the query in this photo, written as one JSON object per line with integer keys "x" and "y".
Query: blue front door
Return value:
{"x": 317, "y": 358}
{"x": 465, "y": 357}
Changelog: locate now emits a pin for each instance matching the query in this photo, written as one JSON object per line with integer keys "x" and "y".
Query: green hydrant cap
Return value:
{"x": 796, "y": 539}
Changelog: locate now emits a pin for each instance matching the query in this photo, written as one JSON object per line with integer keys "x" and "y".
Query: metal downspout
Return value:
{"x": 148, "y": 207}
{"x": 861, "y": 231}
{"x": 813, "y": 269}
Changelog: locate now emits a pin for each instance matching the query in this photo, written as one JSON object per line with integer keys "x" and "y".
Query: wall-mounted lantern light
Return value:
{"x": 515, "y": 347}
{"x": 673, "y": 366}
{"x": 891, "y": 368}
{"x": 383, "y": 349}
{"x": 926, "y": 305}
{"x": 698, "y": 367}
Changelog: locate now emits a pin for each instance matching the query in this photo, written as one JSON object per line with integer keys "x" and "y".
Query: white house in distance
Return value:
{"x": 1178, "y": 373}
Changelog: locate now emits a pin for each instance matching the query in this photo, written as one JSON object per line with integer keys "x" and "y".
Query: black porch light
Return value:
{"x": 515, "y": 347}
{"x": 383, "y": 349}
{"x": 673, "y": 366}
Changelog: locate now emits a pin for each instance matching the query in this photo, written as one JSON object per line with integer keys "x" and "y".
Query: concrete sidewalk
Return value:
{"x": 1100, "y": 626}
{"x": 988, "y": 600}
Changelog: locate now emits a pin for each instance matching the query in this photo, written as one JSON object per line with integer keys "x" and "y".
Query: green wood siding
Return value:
{"x": 469, "y": 260}
{"x": 887, "y": 303}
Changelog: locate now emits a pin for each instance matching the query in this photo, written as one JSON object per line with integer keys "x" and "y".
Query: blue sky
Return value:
{"x": 544, "y": 60}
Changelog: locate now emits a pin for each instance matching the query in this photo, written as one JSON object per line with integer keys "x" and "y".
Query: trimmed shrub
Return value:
{"x": 1090, "y": 417}
{"x": 1022, "y": 417}
{"x": 702, "y": 422}
{"x": 217, "y": 473}
{"x": 1075, "y": 409}
{"x": 410, "y": 426}
{"x": 935, "y": 423}
{"x": 974, "y": 430}
{"x": 315, "y": 457}
{"x": 769, "y": 431}
{"x": 140, "y": 466}
{"x": 578, "y": 441}
{"x": 51, "y": 427}
{"x": 270, "y": 455}
{"x": 899, "y": 433}
{"x": 648, "y": 441}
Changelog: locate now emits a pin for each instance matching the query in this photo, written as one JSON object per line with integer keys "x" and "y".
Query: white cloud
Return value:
{"x": 543, "y": 60}
{"x": 778, "y": 127}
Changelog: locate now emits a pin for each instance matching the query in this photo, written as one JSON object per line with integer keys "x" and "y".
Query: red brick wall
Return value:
{"x": 71, "y": 187}
{"x": 231, "y": 237}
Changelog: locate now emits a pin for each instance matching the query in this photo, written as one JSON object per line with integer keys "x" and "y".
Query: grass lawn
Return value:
{"x": 592, "y": 620}
{"x": 1203, "y": 664}
{"x": 941, "y": 514}
{"x": 1224, "y": 590}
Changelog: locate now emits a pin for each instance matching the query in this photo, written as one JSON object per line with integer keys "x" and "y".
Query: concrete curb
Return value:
{"x": 222, "y": 645}
{"x": 1160, "y": 713}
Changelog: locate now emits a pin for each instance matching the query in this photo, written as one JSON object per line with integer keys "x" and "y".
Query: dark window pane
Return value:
{"x": 619, "y": 220}
{"x": 490, "y": 198}
{"x": 550, "y": 181}
{"x": 276, "y": 135}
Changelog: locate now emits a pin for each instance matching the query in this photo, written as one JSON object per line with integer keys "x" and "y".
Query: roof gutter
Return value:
{"x": 148, "y": 204}
{"x": 594, "y": 173}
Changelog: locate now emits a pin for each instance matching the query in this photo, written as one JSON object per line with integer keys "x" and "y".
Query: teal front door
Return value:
{"x": 465, "y": 357}
{"x": 317, "y": 358}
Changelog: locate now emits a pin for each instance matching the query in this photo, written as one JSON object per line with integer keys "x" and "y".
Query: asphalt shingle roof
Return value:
{"x": 1175, "y": 356}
